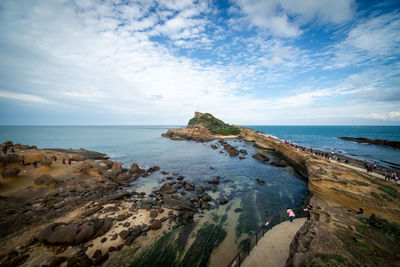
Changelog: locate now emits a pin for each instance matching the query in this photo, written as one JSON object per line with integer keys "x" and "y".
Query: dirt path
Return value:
{"x": 273, "y": 249}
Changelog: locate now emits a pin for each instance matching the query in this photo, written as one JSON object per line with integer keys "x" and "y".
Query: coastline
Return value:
{"x": 336, "y": 191}
{"x": 344, "y": 198}
{"x": 48, "y": 200}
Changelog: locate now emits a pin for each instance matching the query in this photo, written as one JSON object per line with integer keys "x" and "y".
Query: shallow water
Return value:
{"x": 144, "y": 145}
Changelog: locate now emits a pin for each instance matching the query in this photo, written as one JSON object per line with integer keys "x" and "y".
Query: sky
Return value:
{"x": 248, "y": 62}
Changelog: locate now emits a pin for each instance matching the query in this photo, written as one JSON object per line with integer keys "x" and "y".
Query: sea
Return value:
{"x": 144, "y": 143}
{"x": 250, "y": 203}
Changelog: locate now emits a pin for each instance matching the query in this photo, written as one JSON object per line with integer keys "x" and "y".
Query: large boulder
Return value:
{"x": 10, "y": 172}
{"x": 62, "y": 233}
{"x": 177, "y": 202}
{"x": 45, "y": 179}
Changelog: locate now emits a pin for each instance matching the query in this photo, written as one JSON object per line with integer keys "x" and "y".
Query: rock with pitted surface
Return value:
{"x": 61, "y": 233}
{"x": 213, "y": 146}
{"x": 46, "y": 180}
{"x": 10, "y": 172}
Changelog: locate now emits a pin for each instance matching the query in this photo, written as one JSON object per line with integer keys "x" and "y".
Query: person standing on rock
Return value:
{"x": 291, "y": 214}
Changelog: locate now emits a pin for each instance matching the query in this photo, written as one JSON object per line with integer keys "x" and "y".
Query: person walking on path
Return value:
{"x": 291, "y": 214}
{"x": 69, "y": 161}
{"x": 308, "y": 209}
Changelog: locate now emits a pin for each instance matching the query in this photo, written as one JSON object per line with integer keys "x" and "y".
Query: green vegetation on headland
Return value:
{"x": 213, "y": 124}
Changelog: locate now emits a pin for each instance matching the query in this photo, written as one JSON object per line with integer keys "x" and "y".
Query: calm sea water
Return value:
{"x": 326, "y": 138}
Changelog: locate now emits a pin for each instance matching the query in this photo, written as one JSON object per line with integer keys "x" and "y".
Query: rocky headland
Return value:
{"x": 379, "y": 142}
{"x": 203, "y": 127}
{"x": 355, "y": 216}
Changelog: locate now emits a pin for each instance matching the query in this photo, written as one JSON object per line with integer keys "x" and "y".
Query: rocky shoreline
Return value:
{"x": 355, "y": 215}
{"x": 393, "y": 144}
{"x": 81, "y": 213}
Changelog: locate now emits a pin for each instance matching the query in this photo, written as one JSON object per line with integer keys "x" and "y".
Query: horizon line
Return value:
{"x": 243, "y": 125}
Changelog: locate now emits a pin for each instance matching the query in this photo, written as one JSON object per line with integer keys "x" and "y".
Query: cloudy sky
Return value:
{"x": 291, "y": 62}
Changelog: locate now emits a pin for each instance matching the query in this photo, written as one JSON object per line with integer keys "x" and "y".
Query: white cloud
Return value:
{"x": 375, "y": 38}
{"x": 25, "y": 97}
{"x": 273, "y": 14}
{"x": 127, "y": 61}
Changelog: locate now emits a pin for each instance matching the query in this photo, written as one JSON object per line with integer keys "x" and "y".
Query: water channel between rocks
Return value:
{"x": 216, "y": 234}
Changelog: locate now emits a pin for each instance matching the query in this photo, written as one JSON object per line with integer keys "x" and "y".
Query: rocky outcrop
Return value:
{"x": 394, "y": 144}
{"x": 74, "y": 233}
{"x": 199, "y": 134}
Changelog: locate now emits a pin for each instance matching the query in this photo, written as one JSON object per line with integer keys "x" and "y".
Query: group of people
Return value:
{"x": 391, "y": 176}
{"x": 5, "y": 149}
{"x": 35, "y": 163}
{"x": 369, "y": 166}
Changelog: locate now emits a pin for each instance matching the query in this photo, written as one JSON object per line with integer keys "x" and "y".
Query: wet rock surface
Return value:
{"x": 261, "y": 157}
{"x": 73, "y": 233}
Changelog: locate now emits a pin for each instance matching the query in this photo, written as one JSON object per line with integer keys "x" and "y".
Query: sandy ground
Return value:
{"x": 273, "y": 249}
